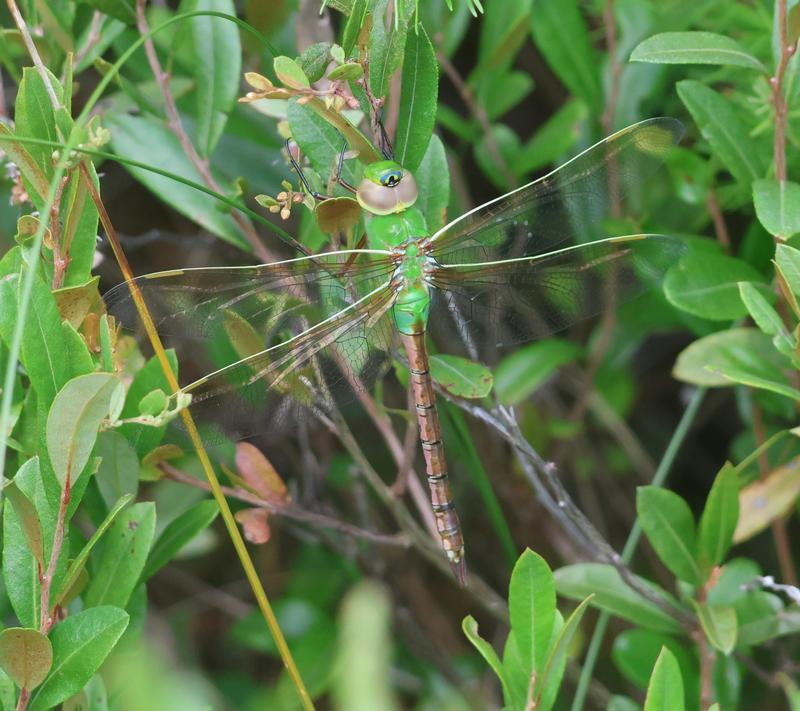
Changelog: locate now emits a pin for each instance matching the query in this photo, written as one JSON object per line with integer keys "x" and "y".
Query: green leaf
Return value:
{"x": 612, "y": 594}
{"x": 500, "y": 93}
{"x": 418, "y": 96}
{"x": 694, "y": 48}
{"x": 118, "y": 474}
{"x": 25, "y": 655}
{"x": 125, "y": 551}
{"x": 148, "y": 378}
{"x": 77, "y": 565}
{"x": 744, "y": 377}
{"x": 503, "y": 32}
{"x": 531, "y": 609}
{"x": 81, "y": 643}
{"x": 385, "y": 49}
{"x": 20, "y": 569}
{"x": 554, "y": 138}
{"x": 120, "y": 9}
{"x": 496, "y": 156}
{"x": 707, "y": 285}
{"x": 290, "y": 74}
{"x": 665, "y": 690}
{"x": 147, "y": 139}
{"x": 669, "y": 525}
{"x": 433, "y": 184}
{"x": 44, "y": 352}
{"x": 558, "y": 651}
{"x": 73, "y": 421}
{"x": 719, "y": 625}
{"x": 217, "y": 69}
{"x": 719, "y": 518}
{"x": 723, "y": 129}
{"x": 470, "y": 628}
{"x": 28, "y": 519}
{"x": 178, "y": 533}
{"x": 349, "y": 71}
{"x": 318, "y": 140}
{"x": 460, "y": 376}
{"x": 761, "y": 311}
{"x": 561, "y": 35}
{"x": 788, "y": 260}
{"x": 314, "y": 60}
{"x": 778, "y": 206}
{"x": 742, "y": 349}
{"x": 358, "y": 15}
{"x": 518, "y": 375}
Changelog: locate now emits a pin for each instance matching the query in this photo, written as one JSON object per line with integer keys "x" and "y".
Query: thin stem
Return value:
{"x": 176, "y": 126}
{"x": 633, "y": 539}
{"x": 778, "y": 99}
{"x": 46, "y": 580}
{"x": 289, "y": 511}
{"x": 33, "y": 52}
{"x": 720, "y": 227}
{"x": 93, "y": 37}
{"x": 610, "y": 26}
{"x": 227, "y": 516}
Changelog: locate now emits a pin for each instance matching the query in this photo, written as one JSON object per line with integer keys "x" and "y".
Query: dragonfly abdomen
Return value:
{"x": 444, "y": 512}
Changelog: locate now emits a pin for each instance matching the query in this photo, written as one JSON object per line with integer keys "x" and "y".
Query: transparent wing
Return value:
{"x": 512, "y": 301}
{"x": 260, "y": 340}
{"x": 570, "y": 205}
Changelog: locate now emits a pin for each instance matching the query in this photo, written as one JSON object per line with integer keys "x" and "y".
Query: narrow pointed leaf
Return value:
{"x": 767, "y": 500}
{"x": 719, "y": 626}
{"x": 718, "y": 521}
{"x": 28, "y": 519}
{"x": 694, "y": 48}
{"x": 665, "y": 690}
{"x": 470, "y": 628}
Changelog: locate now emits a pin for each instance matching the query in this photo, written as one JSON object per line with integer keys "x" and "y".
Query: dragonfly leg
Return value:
{"x": 338, "y": 177}
{"x": 444, "y": 512}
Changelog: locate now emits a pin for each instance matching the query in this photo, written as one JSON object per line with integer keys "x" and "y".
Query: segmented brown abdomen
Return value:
{"x": 435, "y": 464}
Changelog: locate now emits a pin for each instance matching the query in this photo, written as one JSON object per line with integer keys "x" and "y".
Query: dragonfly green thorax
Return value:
{"x": 388, "y": 192}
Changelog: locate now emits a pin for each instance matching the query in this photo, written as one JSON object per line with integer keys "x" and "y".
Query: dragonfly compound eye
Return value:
{"x": 391, "y": 178}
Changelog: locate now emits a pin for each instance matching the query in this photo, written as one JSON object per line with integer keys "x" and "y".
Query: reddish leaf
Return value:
{"x": 259, "y": 474}
{"x": 254, "y": 524}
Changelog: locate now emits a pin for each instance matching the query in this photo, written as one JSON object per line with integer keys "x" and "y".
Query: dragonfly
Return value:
{"x": 517, "y": 268}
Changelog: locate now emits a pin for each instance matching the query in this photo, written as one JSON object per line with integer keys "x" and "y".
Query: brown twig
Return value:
{"x": 176, "y": 126}
{"x": 779, "y": 104}
{"x": 289, "y": 510}
{"x": 720, "y": 227}
{"x": 92, "y": 39}
{"x": 33, "y": 52}
{"x": 46, "y": 579}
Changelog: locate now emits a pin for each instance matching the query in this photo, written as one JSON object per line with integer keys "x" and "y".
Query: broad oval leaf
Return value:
{"x": 778, "y": 206}
{"x": 25, "y": 655}
{"x": 125, "y": 550}
{"x": 612, "y": 594}
{"x": 694, "y": 48}
{"x": 531, "y": 609}
{"x": 118, "y": 473}
{"x": 707, "y": 285}
{"x": 178, "y": 533}
{"x": 665, "y": 690}
{"x": 767, "y": 500}
{"x": 290, "y": 73}
{"x": 723, "y": 129}
{"x": 518, "y": 375}
{"x": 460, "y": 376}
{"x": 73, "y": 421}
{"x": 81, "y": 643}
{"x": 746, "y": 349}
{"x": 788, "y": 260}
{"x": 719, "y": 625}
{"x": 669, "y": 525}
{"x": 418, "y": 97}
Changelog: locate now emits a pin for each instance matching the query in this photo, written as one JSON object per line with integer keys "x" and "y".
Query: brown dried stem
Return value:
{"x": 33, "y": 52}
{"x": 779, "y": 104}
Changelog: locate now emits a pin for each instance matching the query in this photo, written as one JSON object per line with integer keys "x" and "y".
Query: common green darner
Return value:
{"x": 516, "y": 268}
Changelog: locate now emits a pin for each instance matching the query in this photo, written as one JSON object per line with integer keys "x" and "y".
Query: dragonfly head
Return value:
{"x": 386, "y": 188}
